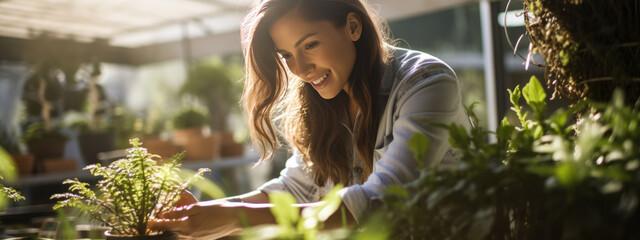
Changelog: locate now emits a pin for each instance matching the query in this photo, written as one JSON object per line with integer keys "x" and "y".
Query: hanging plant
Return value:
{"x": 590, "y": 48}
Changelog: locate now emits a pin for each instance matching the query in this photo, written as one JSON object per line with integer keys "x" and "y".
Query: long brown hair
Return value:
{"x": 314, "y": 125}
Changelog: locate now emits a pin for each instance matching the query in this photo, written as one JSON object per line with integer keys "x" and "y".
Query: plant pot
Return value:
{"x": 47, "y": 148}
{"x": 24, "y": 163}
{"x": 93, "y": 143}
{"x": 163, "y": 236}
{"x": 163, "y": 148}
{"x": 181, "y": 136}
{"x": 202, "y": 148}
{"x": 53, "y": 165}
{"x": 228, "y": 146}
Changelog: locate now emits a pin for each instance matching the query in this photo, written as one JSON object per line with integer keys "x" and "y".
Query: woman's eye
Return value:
{"x": 311, "y": 45}
{"x": 285, "y": 56}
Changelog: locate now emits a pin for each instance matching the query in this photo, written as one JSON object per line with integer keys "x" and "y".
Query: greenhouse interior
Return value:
{"x": 107, "y": 107}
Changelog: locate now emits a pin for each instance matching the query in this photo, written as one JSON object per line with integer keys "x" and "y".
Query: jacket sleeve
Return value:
{"x": 432, "y": 97}
{"x": 295, "y": 179}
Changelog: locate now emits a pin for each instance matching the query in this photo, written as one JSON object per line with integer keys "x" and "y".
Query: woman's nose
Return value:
{"x": 304, "y": 67}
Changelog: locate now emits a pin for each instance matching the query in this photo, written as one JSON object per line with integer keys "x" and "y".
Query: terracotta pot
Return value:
{"x": 181, "y": 136}
{"x": 163, "y": 236}
{"x": 202, "y": 148}
{"x": 230, "y": 147}
{"x": 47, "y": 148}
{"x": 164, "y": 148}
{"x": 24, "y": 163}
{"x": 52, "y": 165}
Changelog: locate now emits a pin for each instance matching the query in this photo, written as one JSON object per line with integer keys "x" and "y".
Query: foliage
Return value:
{"x": 216, "y": 85}
{"x": 549, "y": 178}
{"x": 7, "y": 173}
{"x": 9, "y": 141}
{"x": 36, "y": 131}
{"x": 293, "y": 225}
{"x": 309, "y": 224}
{"x": 131, "y": 191}
{"x": 587, "y": 52}
{"x": 205, "y": 77}
{"x": 190, "y": 117}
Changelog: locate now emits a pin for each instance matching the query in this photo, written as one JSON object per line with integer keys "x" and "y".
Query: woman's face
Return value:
{"x": 316, "y": 51}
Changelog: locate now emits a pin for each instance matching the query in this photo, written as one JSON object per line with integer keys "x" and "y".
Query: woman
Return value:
{"x": 348, "y": 103}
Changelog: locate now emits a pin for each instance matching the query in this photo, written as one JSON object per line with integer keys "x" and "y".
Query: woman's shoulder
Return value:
{"x": 410, "y": 62}
{"x": 410, "y": 68}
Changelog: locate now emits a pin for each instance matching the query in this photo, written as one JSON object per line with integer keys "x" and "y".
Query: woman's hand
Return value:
{"x": 206, "y": 220}
{"x": 186, "y": 198}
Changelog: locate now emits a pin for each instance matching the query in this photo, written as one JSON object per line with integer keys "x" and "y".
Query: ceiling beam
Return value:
{"x": 225, "y": 43}
{"x": 201, "y": 47}
{"x": 22, "y": 50}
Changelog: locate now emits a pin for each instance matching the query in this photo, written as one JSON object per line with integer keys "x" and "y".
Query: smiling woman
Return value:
{"x": 349, "y": 103}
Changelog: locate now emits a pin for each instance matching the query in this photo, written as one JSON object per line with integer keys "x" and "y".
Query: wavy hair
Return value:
{"x": 315, "y": 126}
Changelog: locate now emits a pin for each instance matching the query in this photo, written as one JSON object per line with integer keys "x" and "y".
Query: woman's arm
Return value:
{"x": 214, "y": 219}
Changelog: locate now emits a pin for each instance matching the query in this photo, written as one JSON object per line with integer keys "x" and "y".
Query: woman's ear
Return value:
{"x": 354, "y": 26}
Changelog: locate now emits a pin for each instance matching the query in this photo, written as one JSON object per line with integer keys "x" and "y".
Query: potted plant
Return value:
{"x": 131, "y": 192}
{"x": 152, "y": 130}
{"x": 216, "y": 85}
{"x": 96, "y": 135}
{"x": 44, "y": 144}
{"x": 189, "y": 122}
{"x": 11, "y": 143}
{"x": 191, "y": 133}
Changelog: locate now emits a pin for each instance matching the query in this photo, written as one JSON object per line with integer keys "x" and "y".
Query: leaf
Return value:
{"x": 419, "y": 144}
{"x": 285, "y": 213}
{"x": 535, "y": 96}
{"x": 330, "y": 203}
{"x": 7, "y": 170}
{"x": 566, "y": 173}
{"x": 514, "y": 96}
{"x": 396, "y": 190}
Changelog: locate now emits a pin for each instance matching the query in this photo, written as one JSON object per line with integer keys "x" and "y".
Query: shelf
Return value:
{"x": 83, "y": 175}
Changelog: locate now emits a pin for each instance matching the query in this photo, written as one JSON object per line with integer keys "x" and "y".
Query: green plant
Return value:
{"x": 549, "y": 178}
{"x": 587, "y": 53}
{"x": 190, "y": 117}
{"x": 10, "y": 141}
{"x": 131, "y": 191}
{"x": 7, "y": 173}
{"x": 37, "y": 131}
{"x": 215, "y": 84}
{"x": 292, "y": 224}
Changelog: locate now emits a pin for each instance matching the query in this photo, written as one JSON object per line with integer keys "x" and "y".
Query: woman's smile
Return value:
{"x": 321, "y": 82}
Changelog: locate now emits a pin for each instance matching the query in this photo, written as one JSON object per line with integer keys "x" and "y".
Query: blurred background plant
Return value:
{"x": 7, "y": 175}
{"x": 218, "y": 87}
{"x": 190, "y": 117}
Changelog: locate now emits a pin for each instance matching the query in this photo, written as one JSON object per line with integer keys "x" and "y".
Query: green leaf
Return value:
{"x": 535, "y": 96}
{"x": 7, "y": 170}
{"x": 330, "y": 203}
{"x": 283, "y": 210}
{"x": 514, "y": 96}
{"x": 567, "y": 174}
{"x": 396, "y": 190}
{"x": 419, "y": 144}
{"x": 533, "y": 91}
